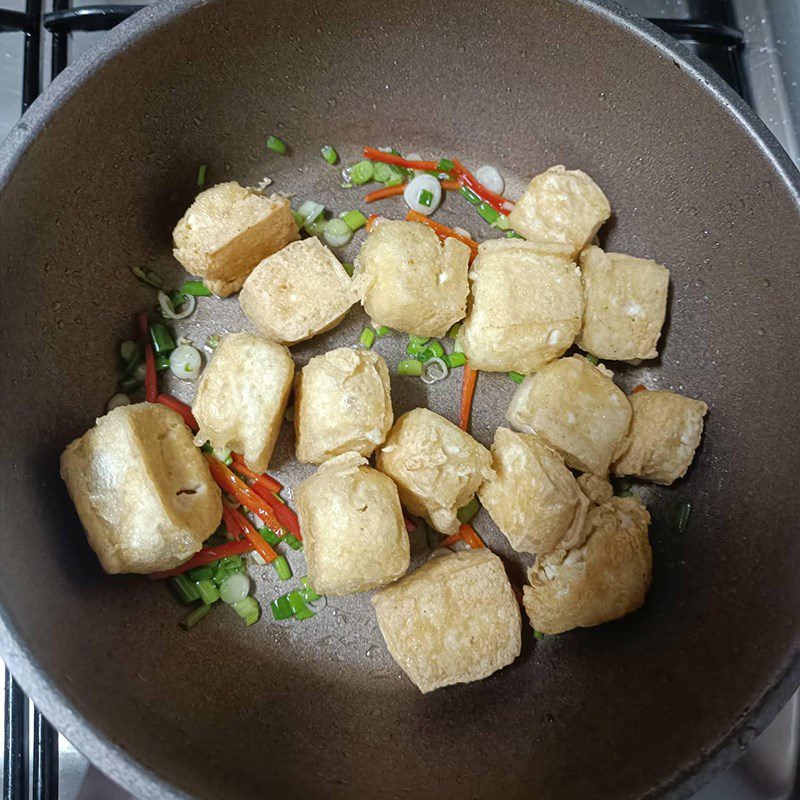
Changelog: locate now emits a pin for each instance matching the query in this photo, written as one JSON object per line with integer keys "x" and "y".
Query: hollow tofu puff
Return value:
{"x": 561, "y": 205}
{"x": 533, "y": 498}
{"x": 242, "y": 396}
{"x": 626, "y": 303}
{"x": 664, "y": 434}
{"x": 343, "y": 403}
{"x": 410, "y": 281}
{"x": 454, "y": 620}
{"x": 526, "y": 306}
{"x": 597, "y": 488}
{"x": 575, "y": 408}
{"x": 352, "y": 524}
{"x": 297, "y": 293}
{"x": 604, "y": 579}
{"x": 227, "y": 230}
{"x": 142, "y": 490}
{"x": 437, "y": 467}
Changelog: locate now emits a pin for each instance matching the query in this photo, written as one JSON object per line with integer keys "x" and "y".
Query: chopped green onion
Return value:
{"x": 162, "y": 362}
{"x": 517, "y": 377}
{"x": 305, "y": 613}
{"x": 161, "y": 338}
{"x": 196, "y": 288}
{"x": 310, "y": 211}
{"x": 280, "y": 607}
{"x": 488, "y": 213}
{"x": 307, "y": 592}
{"x": 316, "y": 228}
{"x": 282, "y": 568}
{"x": 410, "y": 366}
{"x": 293, "y": 541}
{"x": 354, "y": 219}
{"x": 383, "y": 331}
{"x": 248, "y": 609}
{"x": 232, "y": 563}
{"x": 434, "y": 350}
{"x": 205, "y": 573}
{"x": 129, "y": 352}
{"x": 234, "y": 588}
{"x": 363, "y": 172}
{"x": 394, "y": 181}
{"x": 682, "y": 516}
{"x": 367, "y": 338}
{"x": 455, "y": 360}
{"x": 337, "y": 233}
{"x": 416, "y": 350}
{"x": 193, "y": 617}
{"x": 276, "y": 145}
{"x": 212, "y": 343}
{"x": 592, "y": 359}
{"x": 425, "y": 198}
{"x": 538, "y": 635}
{"x": 382, "y": 172}
{"x": 187, "y": 592}
{"x": 513, "y": 235}
{"x": 177, "y": 299}
{"x": 445, "y": 165}
{"x": 129, "y": 384}
{"x": 299, "y": 219}
{"x": 467, "y": 512}
{"x": 329, "y": 154}
{"x": 208, "y": 592}
{"x": 348, "y": 268}
{"x": 269, "y": 536}
{"x": 502, "y": 223}
{"x": 222, "y": 454}
{"x": 296, "y": 602}
{"x": 454, "y": 329}
{"x": 148, "y": 276}
{"x": 201, "y": 175}
{"x": 471, "y": 197}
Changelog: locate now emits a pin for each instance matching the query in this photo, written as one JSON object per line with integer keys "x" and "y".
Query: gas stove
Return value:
{"x": 753, "y": 44}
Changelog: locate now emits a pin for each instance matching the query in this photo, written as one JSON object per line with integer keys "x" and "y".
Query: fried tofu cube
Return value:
{"x": 603, "y": 579}
{"x": 665, "y": 433}
{"x": 597, "y": 488}
{"x": 533, "y": 498}
{"x": 343, "y": 403}
{"x": 353, "y": 530}
{"x": 227, "y": 230}
{"x": 527, "y": 304}
{"x": 297, "y": 293}
{"x": 454, "y": 620}
{"x": 626, "y": 304}
{"x": 242, "y": 396}
{"x": 437, "y": 467}
{"x": 142, "y": 490}
{"x": 410, "y": 281}
{"x": 561, "y": 205}
{"x": 576, "y": 408}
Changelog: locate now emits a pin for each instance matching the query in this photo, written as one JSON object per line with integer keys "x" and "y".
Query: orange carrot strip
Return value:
{"x": 267, "y": 481}
{"x": 389, "y": 191}
{"x": 451, "y": 540}
{"x": 442, "y": 231}
{"x": 286, "y": 517}
{"x": 389, "y": 158}
{"x": 176, "y": 405}
{"x": 638, "y": 388}
{"x": 451, "y": 186}
{"x": 468, "y": 534}
{"x": 150, "y": 379}
{"x": 256, "y": 540}
{"x": 205, "y": 556}
{"x": 371, "y": 221}
{"x": 496, "y": 201}
{"x": 468, "y": 379}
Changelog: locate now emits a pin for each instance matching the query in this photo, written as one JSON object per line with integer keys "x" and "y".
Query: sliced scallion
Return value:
{"x": 488, "y": 213}
{"x": 187, "y": 591}
{"x": 310, "y": 211}
{"x": 517, "y": 377}
{"x": 204, "y": 573}
{"x": 337, "y": 233}
{"x": 467, "y": 512}
{"x": 454, "y": 329}
{"x": 434, "y": 350}
{"x": 361, "y": 173}
{"x": 296, "y": 602}
{"x": 196, "y": 288}
{"x": 248, "y": 609}
{"x": 269, "y": 536}
{"x": 329, "y": 154}
{"x": 208, "y": 591}
{"x": 234, "y": 588}
{"x": 455, "y": 360}
{"x": 592, "y": 359}
{"x": 280, "y": 608}
{"x": 161, "y": 338}
{"x": 282, "y": 568}
{"x": 129, "y": 352}
{"x": 410, "y": 367}
{"x": 148, "y": 276}
{"x": 425, "y": 198}
{"x": 293, "y": 541}
{"x": 383, "y": 330}
{"x": 538, "y": 635}
{"x": 513, "y": 235}
{"x": 194, "y": 616}
{"x": 304, "y": 613}
{"x": 367, "y": 338}
{"x": 276, "y": 145}
{"x": 682, "y": 515}
{"x": 315, "y": 228}
{"x": 201, "y": 175}
{"x": 382, "y": 172}
{"x": 445, "y": 165}
{"x": 354, "y": 219}
{"x": 348, "y": 268}
{"x": 307, "y": 592}
{"x": 433, "y": 370}
{"x": 128, "y": 384}
{"x": 470, "y": 196}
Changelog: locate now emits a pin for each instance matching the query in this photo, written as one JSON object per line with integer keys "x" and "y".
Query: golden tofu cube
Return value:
{"x": 561, "y": 205}
{"x": 227, "y": 230}
{"x": 242, "y": 396}
{"x": 353, "y": 530}
{"x": 577, "y": 409}
{"x": 343, "y": 403}
{"x": 665, "y": 432}
{"x": 297, "y": 293}
{"x": 142, "y": 490}
{"x": 454, "y": 620}
{"x": 526, "y": 308}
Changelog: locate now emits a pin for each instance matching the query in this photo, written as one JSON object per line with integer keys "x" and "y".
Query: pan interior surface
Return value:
{"x": 319, "y": 708}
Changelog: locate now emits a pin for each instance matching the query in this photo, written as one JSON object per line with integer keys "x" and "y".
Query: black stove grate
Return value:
{"x": 711, "y": 34}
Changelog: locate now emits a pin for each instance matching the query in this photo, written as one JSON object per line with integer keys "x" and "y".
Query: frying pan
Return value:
{"x": 94, "y": 177}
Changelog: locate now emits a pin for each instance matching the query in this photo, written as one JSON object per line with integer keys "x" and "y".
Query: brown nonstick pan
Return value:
{"x": 93, "y": 179}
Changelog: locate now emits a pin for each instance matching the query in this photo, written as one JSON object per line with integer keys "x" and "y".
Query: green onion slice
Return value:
{"x": 186, "y": 590}
{"x": 455, "y": 360}
{"x": 361, "y": 173}
{"x": 467, "y": 512}
{"x": 201, "y": 175}
{"x": 193, "y": 617}
{"x": 248, "y": 609}
{"x": 367, "y": 338}
{"x": 354, "y": 219}
{"x": 276, "y": 145}
{"x": 282, "y": 568}
{"x": 161, "y": 338}
{"x": 410, "y": 367}
{"x": 329, "y": 154}
{"x": 195, "y": 288}
{"x": 517, "y": 377}
{"x": 682, "y": 515}
{"x": 337, "y": 233}
{"x": 148, "y": 276}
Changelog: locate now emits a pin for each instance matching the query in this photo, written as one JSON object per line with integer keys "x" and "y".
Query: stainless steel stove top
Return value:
{"x": 770, "y": 68}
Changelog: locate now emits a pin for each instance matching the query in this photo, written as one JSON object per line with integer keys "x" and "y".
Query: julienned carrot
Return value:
{"x": 638, "y": 388}
{"x": 451, "y": 186}
{"x": 467, "y": 533}
{"x": 451, "y": 540}
{"x": 389, "y": 158}
{"x": 150, "y": 379}
{"x": 442, "y": 231}
{"x": 176, "y": 405}
{"x": 267, "y": 481}
{"x": 234, "y": 485}
{"x": 237, "y": 520}
{"x": 468, "y": 379}
{"x": 389, "y": 191}
{"x": 206, "y": 556}
{"x": 496, "y": 201}
{"x": 371, "y": 221}
{"x": 286, "y": 517}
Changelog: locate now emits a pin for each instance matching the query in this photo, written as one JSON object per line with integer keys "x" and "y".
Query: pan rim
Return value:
{"x": 101, "y": 750}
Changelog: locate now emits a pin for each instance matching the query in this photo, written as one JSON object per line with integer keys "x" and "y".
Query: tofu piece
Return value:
{"x": 533, "y": 498}
{"x": 353, "y": 530}
{"x": 597, "y": 488}
{"x": 297, "y": 293}
{"x": 410, "y": 281}
{"x": 626, "y": 304}
{"x": 227, "y": 230}
{"x": 454, "y": 620}
{"x": 575, "y": 408}
{"x": 437, "y": 467}
{"x": 142, "y": 490}
{"x": 561, "y": 205}
{"x": 527, "y": 305}
{"x": 343, "y": 403}
{"x": 242, "y": 396}
{"x": 604, "y": 579}
{"x": 663, "y": 437}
